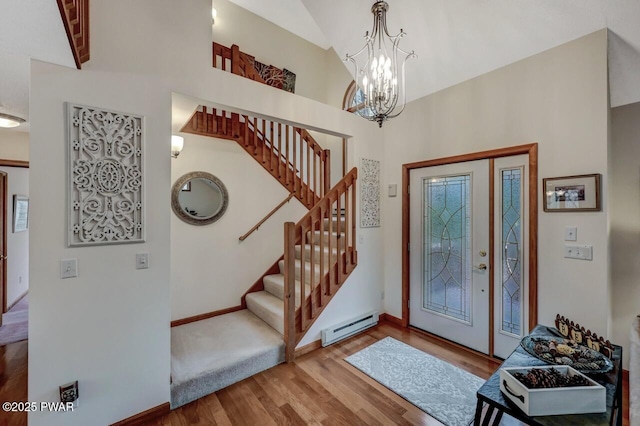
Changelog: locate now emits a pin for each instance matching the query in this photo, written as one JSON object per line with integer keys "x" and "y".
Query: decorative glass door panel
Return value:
{"x": 511, "y": 259}
{"x": 448, "y": 275}
{"x": 510, "y": 277}
{"x": 447, "y": 246}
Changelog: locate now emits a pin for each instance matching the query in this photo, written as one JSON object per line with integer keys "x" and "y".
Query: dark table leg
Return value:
{"x": 477, "y": 418}
{"x": 618, "y": 398}
{"x": 486, "y": 420}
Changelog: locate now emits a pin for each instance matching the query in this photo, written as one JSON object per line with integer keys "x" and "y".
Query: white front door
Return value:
{"x": 449, "y": 249}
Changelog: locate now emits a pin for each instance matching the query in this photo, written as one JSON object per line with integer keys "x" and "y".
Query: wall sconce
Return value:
{"x": 9, "y": 121}
{"x": 177, "y": 143}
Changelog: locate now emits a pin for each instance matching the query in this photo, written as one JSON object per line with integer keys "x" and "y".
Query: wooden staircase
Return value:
{"x": 320, "y": 250}
{"x": 290, "y": 154}
{"x": 320, "y": 254}
{"x": 325, "y": 239}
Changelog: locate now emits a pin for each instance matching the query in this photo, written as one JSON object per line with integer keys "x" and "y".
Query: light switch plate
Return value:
{"x": 571, "y": 233}
{"x": 68, "y": 268}
{"x": 577, "y": 251}
{"x": 142, "y": 260}
{"x": 393, "y": 190}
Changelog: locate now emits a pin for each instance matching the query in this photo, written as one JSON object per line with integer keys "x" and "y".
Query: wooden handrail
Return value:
{"x": 264, "y": 219}
{"x": 330, "y": 255}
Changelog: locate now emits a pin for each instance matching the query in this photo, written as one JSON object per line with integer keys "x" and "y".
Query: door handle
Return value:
{"x": 482, "y": 267}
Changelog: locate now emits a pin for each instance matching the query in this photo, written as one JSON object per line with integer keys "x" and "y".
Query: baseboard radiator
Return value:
{"x": 348, "y": 328}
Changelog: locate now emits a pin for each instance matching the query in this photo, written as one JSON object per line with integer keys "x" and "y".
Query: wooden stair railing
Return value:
{"x": 233, "y": 60}
{"x": 290, "y": 154}
{"x": 334, "y": 258}
{"x": 264, "y": 219}
{"x": 75, "y": 18}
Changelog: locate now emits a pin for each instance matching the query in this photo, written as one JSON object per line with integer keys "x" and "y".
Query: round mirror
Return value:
{"x": 199, "y": 198}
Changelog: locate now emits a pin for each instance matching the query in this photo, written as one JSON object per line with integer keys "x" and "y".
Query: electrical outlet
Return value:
{"x": 571, "y": 233}
{"x": 68, "y": 268}
{"x": 142, "y": 260}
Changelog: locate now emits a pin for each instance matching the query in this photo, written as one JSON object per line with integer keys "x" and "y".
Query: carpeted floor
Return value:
{"x": 214, "y": 353}
{"x": 440, "y": 389}
{"x": 15, "y": 323}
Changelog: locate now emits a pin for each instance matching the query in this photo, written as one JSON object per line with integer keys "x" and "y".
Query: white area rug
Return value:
{"x": 438, "y": 388}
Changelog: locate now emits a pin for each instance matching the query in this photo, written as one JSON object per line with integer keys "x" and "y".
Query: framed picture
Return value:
{"x": 572, "y": 193}
{"x": 20, "y": 213}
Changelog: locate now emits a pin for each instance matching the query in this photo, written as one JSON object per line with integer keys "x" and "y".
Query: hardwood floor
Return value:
{"x": 318, "y": 388}
{"x": 321, "y": 388}
{"x": 13, "y": 380}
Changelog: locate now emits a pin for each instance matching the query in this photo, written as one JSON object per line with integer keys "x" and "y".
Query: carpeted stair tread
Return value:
{"x": 268, "y": 308}
{"x": 307, "y": 270}
{"x": 338, "y": 223}
{"x": 335, "y": 237}
{"x": 214, "y": 353}
{"x": 316, "y": 249}
{"x": 274, "y": 284}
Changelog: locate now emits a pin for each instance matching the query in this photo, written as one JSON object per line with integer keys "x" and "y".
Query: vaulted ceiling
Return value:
{"x": 457, "y": 40}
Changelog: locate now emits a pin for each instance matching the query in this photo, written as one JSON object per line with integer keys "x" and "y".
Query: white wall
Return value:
{"x": 210, "y": 268}
{"x": 17, "y": 262}
{"x": 14, "y": 145}
{"x": 318, "y": 71}
{"x": 109, "y": 328}
{"x": 111, "y": 323}
{"x": 557, "y": 98}
{"x": 625, "y": 221}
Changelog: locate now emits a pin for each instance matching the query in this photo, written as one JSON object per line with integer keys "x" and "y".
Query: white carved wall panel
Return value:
{"x": 370, "y": 193}
{"x": 106, "y": 179}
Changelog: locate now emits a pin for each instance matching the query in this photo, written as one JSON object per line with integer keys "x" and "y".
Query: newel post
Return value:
{"x": 289, "y": 290}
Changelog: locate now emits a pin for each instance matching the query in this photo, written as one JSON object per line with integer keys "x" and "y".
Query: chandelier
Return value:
{"x": 381, "y": 78}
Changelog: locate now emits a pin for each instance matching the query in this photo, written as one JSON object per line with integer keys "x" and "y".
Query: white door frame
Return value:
{"x": 532, "y": 151}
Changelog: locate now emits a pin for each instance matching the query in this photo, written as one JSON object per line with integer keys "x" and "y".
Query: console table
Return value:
{"x": 489, "y": 394}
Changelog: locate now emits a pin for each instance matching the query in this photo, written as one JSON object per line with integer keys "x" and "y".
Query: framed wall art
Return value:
{"x": 20, "y": 213}
{"x": 572, "y": 193}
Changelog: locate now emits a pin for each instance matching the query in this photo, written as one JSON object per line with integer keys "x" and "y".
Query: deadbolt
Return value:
{"x": 483, "y": 253}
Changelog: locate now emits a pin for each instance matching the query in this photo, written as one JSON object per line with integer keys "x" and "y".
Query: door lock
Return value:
{"x": 483, "y": 253}
{"x": 482, "y": 267}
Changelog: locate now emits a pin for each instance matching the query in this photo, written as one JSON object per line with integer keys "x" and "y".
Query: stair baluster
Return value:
{"x": 310, "y": 234}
